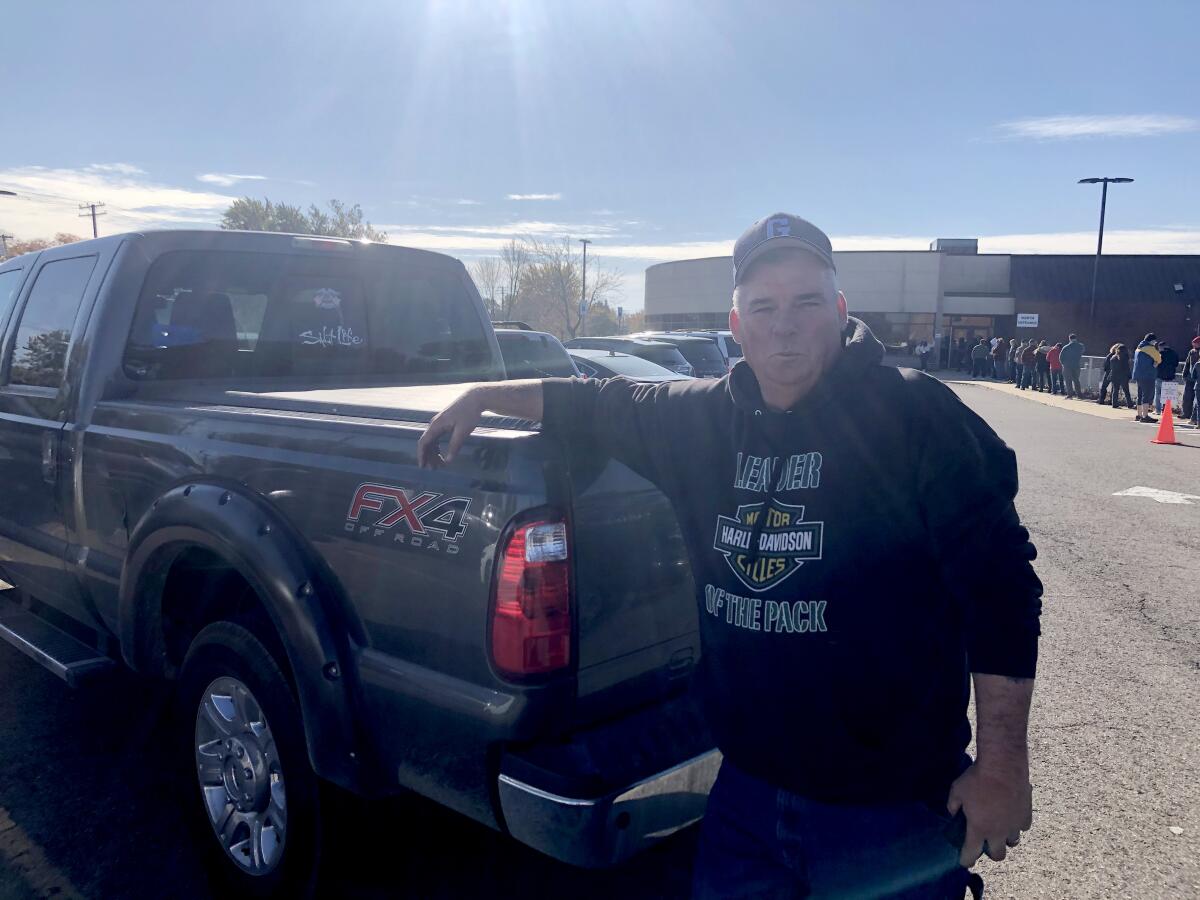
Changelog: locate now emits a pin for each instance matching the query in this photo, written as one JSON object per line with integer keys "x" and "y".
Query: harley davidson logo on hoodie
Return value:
{"x": 781, "y": 544}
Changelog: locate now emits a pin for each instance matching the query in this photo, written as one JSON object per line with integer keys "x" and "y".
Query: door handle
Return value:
{"x": 50, "y": 457}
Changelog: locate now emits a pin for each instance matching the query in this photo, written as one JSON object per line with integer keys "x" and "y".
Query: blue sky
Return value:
{"x": 657, "y": 129}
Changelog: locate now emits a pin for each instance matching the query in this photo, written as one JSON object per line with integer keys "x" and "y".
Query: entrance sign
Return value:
{"x": 1027, "y": 320}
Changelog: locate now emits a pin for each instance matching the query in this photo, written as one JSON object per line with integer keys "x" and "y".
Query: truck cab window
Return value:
{"x": 40, "y": 352}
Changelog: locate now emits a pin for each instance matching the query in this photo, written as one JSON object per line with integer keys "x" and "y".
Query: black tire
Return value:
{"x": 226, "y": 650}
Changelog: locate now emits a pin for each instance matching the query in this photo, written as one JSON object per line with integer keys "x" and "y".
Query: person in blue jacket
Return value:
{"x": 1071, "y": 358}
{"x": 1145, "y": 373}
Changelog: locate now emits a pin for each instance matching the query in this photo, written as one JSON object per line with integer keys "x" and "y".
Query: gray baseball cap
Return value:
{"x": 775, "y": 231}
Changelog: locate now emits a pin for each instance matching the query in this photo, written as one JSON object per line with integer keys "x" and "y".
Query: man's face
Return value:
{"x": 788, "y": 316}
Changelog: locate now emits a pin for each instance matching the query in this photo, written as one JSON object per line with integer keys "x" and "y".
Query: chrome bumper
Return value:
{"x": 606, "y": 830}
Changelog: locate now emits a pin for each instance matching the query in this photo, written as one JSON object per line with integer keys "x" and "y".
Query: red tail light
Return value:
{"x": 531, "y": 617}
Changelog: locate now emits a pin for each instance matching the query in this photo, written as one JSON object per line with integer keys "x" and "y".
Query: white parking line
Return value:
{"x": 1160, "y": 496}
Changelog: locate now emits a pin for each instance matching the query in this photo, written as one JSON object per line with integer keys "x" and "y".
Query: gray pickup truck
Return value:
{"x": 208, "y": 447}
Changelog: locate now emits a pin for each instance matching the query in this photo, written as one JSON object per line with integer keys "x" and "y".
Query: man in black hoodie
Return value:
{"x": 1166, "y": 372}
{"x": 853, "y": 572}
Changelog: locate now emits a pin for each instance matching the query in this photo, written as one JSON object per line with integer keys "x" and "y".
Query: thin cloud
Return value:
{"x": 1136, "y": 241}
{"x": 515, "y": 229}
{"x": 225, "y": 179}
{"x": 116, "y": 168}
{"x": 47, "y": 200}
{"x": 555, "y": 196}
{"x": 465, "y": 202}
{"x": 1061, "y": 128}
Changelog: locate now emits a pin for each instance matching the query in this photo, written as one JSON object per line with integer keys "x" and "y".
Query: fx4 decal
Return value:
{"x": 417, "y": 518}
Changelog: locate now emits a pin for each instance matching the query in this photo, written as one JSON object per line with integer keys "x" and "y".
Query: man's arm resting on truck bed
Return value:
{"x": 520, "y": 399}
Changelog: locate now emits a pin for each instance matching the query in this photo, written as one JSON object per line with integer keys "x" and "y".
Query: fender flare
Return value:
{"x": 300, "y": 595}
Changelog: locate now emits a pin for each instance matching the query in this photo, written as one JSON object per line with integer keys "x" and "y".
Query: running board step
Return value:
{"x": 70, "y": 659}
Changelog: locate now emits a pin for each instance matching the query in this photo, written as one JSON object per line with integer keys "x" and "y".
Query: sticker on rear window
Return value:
{"x": 327, "y": 298}
{"x": 339, "y": 336}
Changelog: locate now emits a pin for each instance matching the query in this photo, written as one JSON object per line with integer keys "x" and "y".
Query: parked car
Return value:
{"x": 701, "y": 352}
{"x": 665, "y": 354}
{"x": 534, "y": 354}
{"x": 611, "y": 363}
{"x": 730, "y": 349}
{"x": 210, "y": 477}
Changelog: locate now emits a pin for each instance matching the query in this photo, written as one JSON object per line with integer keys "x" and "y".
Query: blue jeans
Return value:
{"x": 762, "y": 842}
{"x": 1145, "y": 388}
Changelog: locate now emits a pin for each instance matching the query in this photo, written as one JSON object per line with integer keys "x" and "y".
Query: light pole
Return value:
{"x": 1100, "y": 241}
{"x": 583, "y": 289}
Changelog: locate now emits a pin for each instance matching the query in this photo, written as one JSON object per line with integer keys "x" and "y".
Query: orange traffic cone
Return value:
{"x": 1166, "y": 428}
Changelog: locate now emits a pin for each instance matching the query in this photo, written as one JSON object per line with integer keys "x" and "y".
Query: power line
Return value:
{"x": 93, "y": 207}
{"x": 24, "y": 194}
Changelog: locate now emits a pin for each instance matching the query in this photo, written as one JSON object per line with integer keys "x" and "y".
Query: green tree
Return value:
{"x": 338, "y": 220}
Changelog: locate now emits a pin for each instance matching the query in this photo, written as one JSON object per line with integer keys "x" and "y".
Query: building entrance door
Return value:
{"x": 969, "y": 329}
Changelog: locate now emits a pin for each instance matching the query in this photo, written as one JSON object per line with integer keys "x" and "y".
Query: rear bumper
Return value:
{"x": 602, "y": 831}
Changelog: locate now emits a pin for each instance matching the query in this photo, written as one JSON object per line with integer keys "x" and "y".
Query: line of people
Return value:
{"x": 1154, "y": 363}
{"x": 1035, "y": 364}
{"x": 1031, "y": 364}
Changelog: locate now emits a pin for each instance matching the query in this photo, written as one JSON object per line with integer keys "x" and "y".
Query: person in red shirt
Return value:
{"x": 1056, "y": 369}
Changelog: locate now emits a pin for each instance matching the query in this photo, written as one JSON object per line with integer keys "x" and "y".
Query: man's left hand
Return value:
{"x": 998, "y": 805}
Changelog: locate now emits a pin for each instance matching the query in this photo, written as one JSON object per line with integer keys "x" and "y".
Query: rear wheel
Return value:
{"x": 252, "y": 795}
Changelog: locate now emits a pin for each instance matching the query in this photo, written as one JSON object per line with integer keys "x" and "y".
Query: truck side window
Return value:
{"x": 9, "y": 282}
{"x": 40, "y": 353}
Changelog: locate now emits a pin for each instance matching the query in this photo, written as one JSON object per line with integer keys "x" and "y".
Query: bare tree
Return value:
{"x": 514, "y": 262}
{"x": 489, "y": 276}
{"x": 556, "y": 275}
{"x": 635, "y": 322}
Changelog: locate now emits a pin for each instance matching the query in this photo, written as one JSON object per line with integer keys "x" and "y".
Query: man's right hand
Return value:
{"x": 457, "y": 420}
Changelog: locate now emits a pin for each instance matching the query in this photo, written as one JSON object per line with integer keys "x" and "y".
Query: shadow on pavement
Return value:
{"x": 86, "y": 780}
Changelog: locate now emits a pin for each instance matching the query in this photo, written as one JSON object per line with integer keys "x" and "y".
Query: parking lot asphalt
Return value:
{"x": 88, "y": 808}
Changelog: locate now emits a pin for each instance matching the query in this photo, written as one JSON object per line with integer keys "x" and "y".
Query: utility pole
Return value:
{"x": 5, "y": 238}
{"x": 583, "y": 289}
{"x": 1100, "y": 242}
{"x": 92, "y": 207}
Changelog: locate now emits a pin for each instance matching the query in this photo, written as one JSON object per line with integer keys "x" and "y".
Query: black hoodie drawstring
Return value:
{"x": 772, "y": 486}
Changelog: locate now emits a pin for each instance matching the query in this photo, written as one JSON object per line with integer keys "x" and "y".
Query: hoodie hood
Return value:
{"x": 860, "y": 351}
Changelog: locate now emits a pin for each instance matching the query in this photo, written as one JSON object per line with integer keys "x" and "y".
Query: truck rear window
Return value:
{"x": 534, "y": 355}
{"x": 218, "y": 314}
